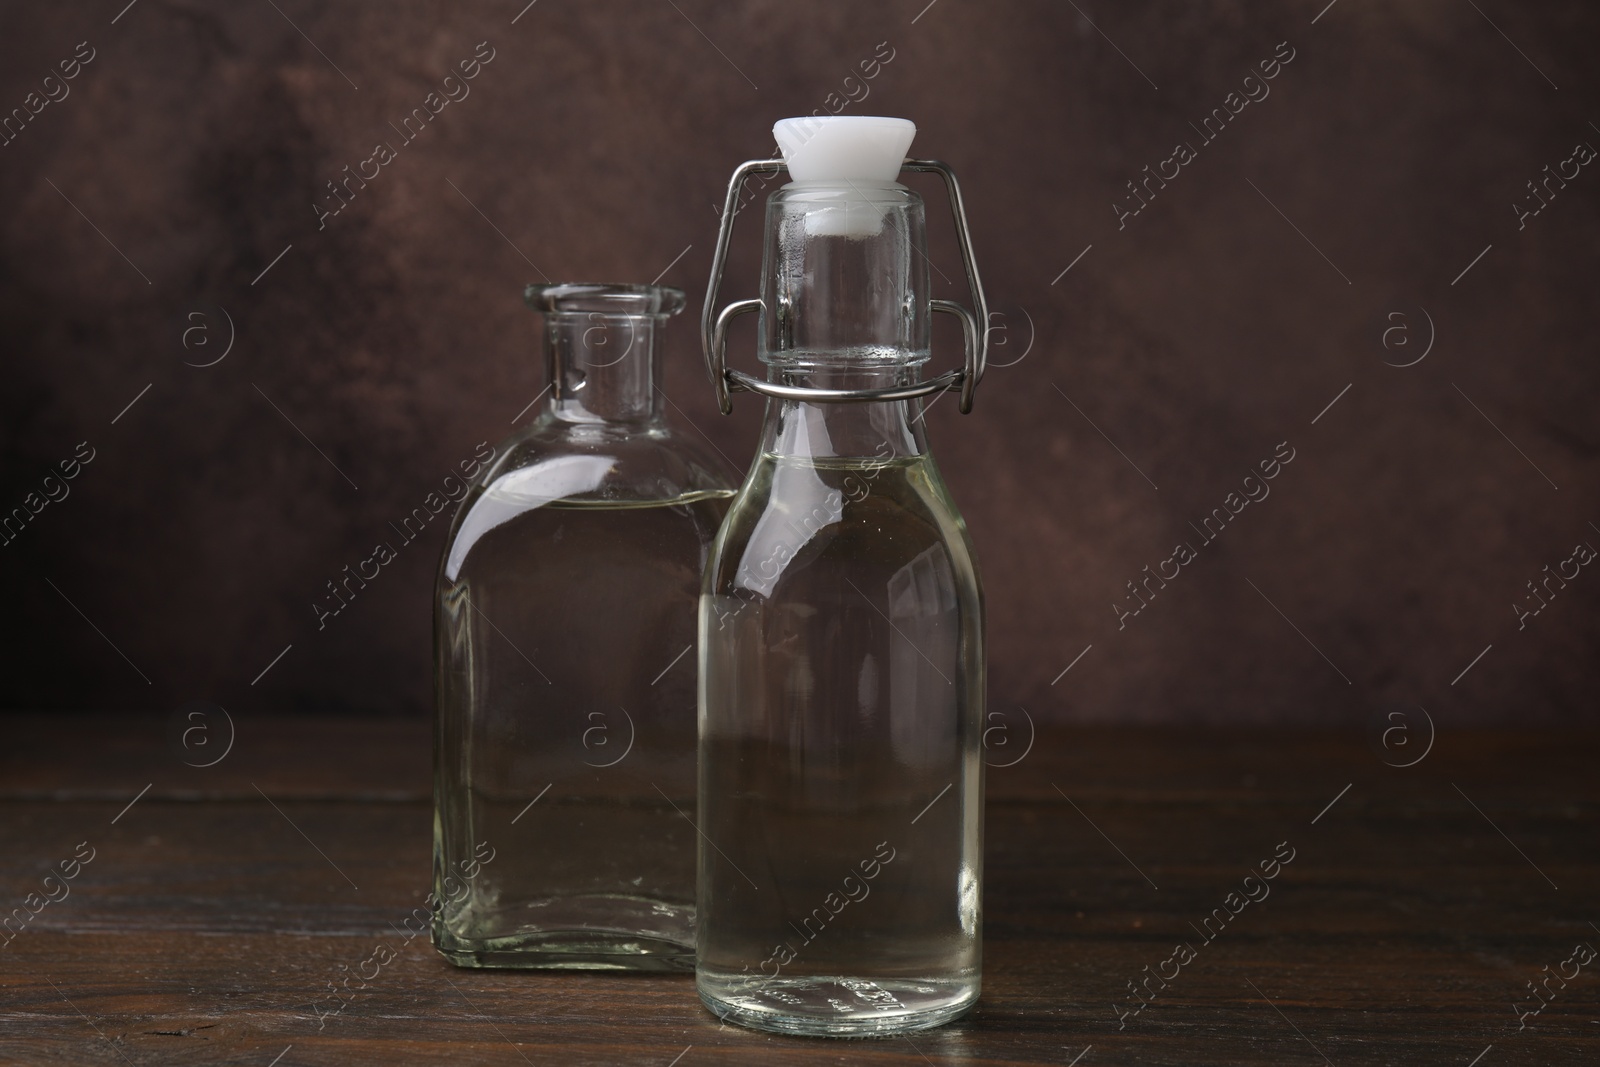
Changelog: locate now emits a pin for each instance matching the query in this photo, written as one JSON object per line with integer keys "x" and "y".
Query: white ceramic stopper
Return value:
{"x": 848, "y": 150}
{"x": 844, "y": 147}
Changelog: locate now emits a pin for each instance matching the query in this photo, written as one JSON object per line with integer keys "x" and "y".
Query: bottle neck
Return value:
{"x": 604, "y": 368}
{"x": 844, "y": 275}
{"x": 844, "y": 306}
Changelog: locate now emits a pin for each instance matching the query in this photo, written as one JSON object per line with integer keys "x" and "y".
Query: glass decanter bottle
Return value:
{"x": 841, "y": 623}
{"x": 565, "y": 731}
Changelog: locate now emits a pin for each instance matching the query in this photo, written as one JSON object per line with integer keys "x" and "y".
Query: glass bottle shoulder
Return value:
{"x": 797, "y": 517}
{"x": 556, "y": 464}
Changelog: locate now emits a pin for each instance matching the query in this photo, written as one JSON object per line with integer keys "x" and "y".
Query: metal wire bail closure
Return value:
{"x": 714, "y": 324}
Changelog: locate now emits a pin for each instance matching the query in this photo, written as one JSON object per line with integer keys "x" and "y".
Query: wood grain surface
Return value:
{"x": 1419, "y": 903}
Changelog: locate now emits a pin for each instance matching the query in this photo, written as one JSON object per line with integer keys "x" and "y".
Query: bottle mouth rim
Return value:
{"x": 825, "y": 191}
{"x": 604, "y": 298}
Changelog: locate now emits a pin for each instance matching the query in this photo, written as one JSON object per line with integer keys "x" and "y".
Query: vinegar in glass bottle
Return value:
{"x": 842, "y": 636}
{"x": 565, "y": 729}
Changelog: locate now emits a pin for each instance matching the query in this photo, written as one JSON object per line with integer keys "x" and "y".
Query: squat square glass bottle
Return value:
{"x": 565, "y": 730}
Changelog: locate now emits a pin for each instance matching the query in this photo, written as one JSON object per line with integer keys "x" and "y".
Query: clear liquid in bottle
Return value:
{"x": 841, "y": 765}
{"x": 565, "y": 747}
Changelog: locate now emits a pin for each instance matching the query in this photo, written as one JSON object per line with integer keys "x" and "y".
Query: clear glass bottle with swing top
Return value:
{"x": 841, "y": 624}
{"x": 565, "y": 730}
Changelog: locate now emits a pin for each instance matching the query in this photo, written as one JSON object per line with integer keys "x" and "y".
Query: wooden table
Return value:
{"x": 1419, "y": 903}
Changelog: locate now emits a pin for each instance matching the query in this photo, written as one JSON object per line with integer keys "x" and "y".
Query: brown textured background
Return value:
{"x": 599, "y": 140}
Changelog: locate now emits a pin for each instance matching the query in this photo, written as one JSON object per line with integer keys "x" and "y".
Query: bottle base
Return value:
{"x": 837, "y": 1006}
{"x": 590, "y": 932}
{"x": 567, "y": 950}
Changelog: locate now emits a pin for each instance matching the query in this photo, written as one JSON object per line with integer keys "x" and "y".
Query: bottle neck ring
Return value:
{"x": 602, "y": 349}
{"x": 604, "y": 368}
